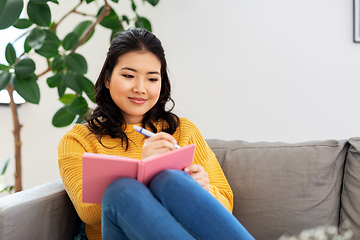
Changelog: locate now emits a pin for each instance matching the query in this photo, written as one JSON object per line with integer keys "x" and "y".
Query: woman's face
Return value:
{"x": 135, "y": 84}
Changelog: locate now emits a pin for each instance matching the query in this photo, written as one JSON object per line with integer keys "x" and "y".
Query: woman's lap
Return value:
{"x": 172, "y": 203}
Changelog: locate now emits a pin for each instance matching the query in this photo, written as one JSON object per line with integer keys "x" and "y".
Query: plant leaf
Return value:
{"x": 40, "y": 14}
{"x": 51, "y": 37}
{"x": 81, "y": 118}
{"x": 54, "y": 81}
{"x": 28, "y": 88}
{"x": 23, "y": 23}
{"x": 3, "y": 67}
{"x": 24, "y": 68}
{"x": 58, "y": 64}
{"x": 87, "y": 86}
{"x": 153, "y": 2}
{"x": 67, "y": 98}
{"x": 111, "y": 21}
{"x": 36, "y": 38}
{"x": 115, "y": 1}
{"x": 89, "y": 1}
{"x": 41, "y": 1}
{"x": 50, "y": 45}
{"x": 70, "y": 41}
{"x": 5, "y": 78}
{"x": 76, "y": 63}
{"x": 79, "y": 106}
{"x": 62, "y": 88}
{"x": 10, "y": 54}
{"x": 48, "y": 49}
{"x": 4, "y": 189}
{"x": 126, "y": 19}
{"x": 5, "y": 167}
{"x": 27, "y": 48}
{"x": 133, "y": 6}
{"x": 81, "y": 28}
{"x": 10, "y": 11}
{"x": 70, "y": 81}
{"x": 63, "y": 117}
{"x": 142, "y": 22}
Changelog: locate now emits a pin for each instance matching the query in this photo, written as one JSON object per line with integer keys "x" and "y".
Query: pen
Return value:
{"x": 147, "y": 133}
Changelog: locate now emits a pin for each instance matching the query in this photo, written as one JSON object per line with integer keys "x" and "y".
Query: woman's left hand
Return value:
{"x": 199, "y": 175}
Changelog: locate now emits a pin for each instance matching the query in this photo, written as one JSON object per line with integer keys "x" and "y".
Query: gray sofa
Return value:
{"x": 279, "y": 188}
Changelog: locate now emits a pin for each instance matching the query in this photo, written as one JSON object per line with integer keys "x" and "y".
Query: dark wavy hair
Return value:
{"x": 107, "y": 118}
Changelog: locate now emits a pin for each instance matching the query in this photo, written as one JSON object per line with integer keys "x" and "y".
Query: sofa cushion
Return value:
{"x": 350, "y": 199}
{"x": 282, "y": 188}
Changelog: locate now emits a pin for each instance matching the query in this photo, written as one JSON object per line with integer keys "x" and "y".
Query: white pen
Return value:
{"x": 147, "y": 133}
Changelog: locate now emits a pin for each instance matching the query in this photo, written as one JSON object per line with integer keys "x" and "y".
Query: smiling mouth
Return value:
{"x": 137, "y": 100}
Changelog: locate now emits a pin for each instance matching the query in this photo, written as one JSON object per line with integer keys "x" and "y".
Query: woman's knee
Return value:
{"x": 169, "y": 175}
{"x": 169, "y": 179}
{"x": 119, "y": 188}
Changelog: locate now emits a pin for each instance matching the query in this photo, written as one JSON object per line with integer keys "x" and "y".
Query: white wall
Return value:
{"x": 280, "y": 70}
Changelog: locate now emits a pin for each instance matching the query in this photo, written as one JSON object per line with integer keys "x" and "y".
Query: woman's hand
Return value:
{"x": 199, "y": 175}
{"x": 159, "y": 143}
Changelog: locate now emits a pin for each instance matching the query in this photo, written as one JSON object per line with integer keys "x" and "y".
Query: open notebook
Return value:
{"x": 99, "y": 170}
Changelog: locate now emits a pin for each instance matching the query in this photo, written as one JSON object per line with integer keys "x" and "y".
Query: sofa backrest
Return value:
{"x": 281, "y": 188}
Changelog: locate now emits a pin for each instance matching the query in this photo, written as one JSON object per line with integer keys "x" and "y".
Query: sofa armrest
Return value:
{"x": 42, "y": 212}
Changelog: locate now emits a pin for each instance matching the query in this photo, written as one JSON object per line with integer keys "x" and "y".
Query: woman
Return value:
{"x": 133, "y": 88}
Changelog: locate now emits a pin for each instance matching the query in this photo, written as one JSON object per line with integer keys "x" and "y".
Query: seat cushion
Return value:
{"x": 350, "y": 199}
{"x": 281, "y": 187}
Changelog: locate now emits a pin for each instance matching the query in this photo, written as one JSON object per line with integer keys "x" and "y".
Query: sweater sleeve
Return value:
{"x": 204, "y": 156}
{"x": 70, "y": 152}
{"x": 219, "y": 186}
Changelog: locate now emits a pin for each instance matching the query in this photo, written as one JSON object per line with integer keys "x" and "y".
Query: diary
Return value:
{"x": 99, "y": 170}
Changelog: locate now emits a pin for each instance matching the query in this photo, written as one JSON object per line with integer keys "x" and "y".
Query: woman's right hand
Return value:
{"x": 159, "y": 143}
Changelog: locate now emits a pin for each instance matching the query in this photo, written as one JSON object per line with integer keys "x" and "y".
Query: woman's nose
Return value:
{"x": 139, "y": 87}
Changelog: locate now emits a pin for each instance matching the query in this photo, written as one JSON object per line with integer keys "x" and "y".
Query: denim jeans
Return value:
{"x": 174, "y": 206}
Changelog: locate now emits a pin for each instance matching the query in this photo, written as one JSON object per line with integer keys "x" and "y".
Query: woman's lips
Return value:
{"x": 137, "y": 100}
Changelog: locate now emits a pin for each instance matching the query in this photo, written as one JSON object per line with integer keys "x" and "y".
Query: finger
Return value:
{"x": 163, "y": 136}
{"x": 156, "y": 152}
{"x": 201, "y": 179}
{"x": 193, "y": 169}
{"x": 200, "y": 176}
{"x": 159, "y": 144}
{"x": 156, "y": 145}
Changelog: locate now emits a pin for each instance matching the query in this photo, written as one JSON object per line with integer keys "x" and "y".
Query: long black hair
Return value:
{"x": 107, "y": 118}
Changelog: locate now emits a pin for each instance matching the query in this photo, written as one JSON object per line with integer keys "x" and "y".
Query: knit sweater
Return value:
{"x": 78, "y": 140}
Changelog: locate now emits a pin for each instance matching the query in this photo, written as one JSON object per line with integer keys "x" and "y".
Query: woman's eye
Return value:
{"x": 128, "y": 76}
{"x": 153, "y": 79}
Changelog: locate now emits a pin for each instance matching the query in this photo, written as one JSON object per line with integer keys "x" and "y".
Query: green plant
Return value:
{"x": 68, "y": 67}
{"x": 3, "y": 186}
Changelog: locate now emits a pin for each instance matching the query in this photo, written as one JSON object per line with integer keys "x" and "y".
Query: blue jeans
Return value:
{"x": 174, "y": 206}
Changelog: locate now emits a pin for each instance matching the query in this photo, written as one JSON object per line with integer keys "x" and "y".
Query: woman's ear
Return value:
{"x": 107, "y": 83}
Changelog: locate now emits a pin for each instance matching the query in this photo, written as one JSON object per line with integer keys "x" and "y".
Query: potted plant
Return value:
{"x": 68, "y": 68}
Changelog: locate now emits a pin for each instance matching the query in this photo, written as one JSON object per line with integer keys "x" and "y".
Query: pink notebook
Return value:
{"x": 99, "y": 170}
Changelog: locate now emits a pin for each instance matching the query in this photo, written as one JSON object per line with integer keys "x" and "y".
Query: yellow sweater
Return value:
{"x": 78, "y": 140}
